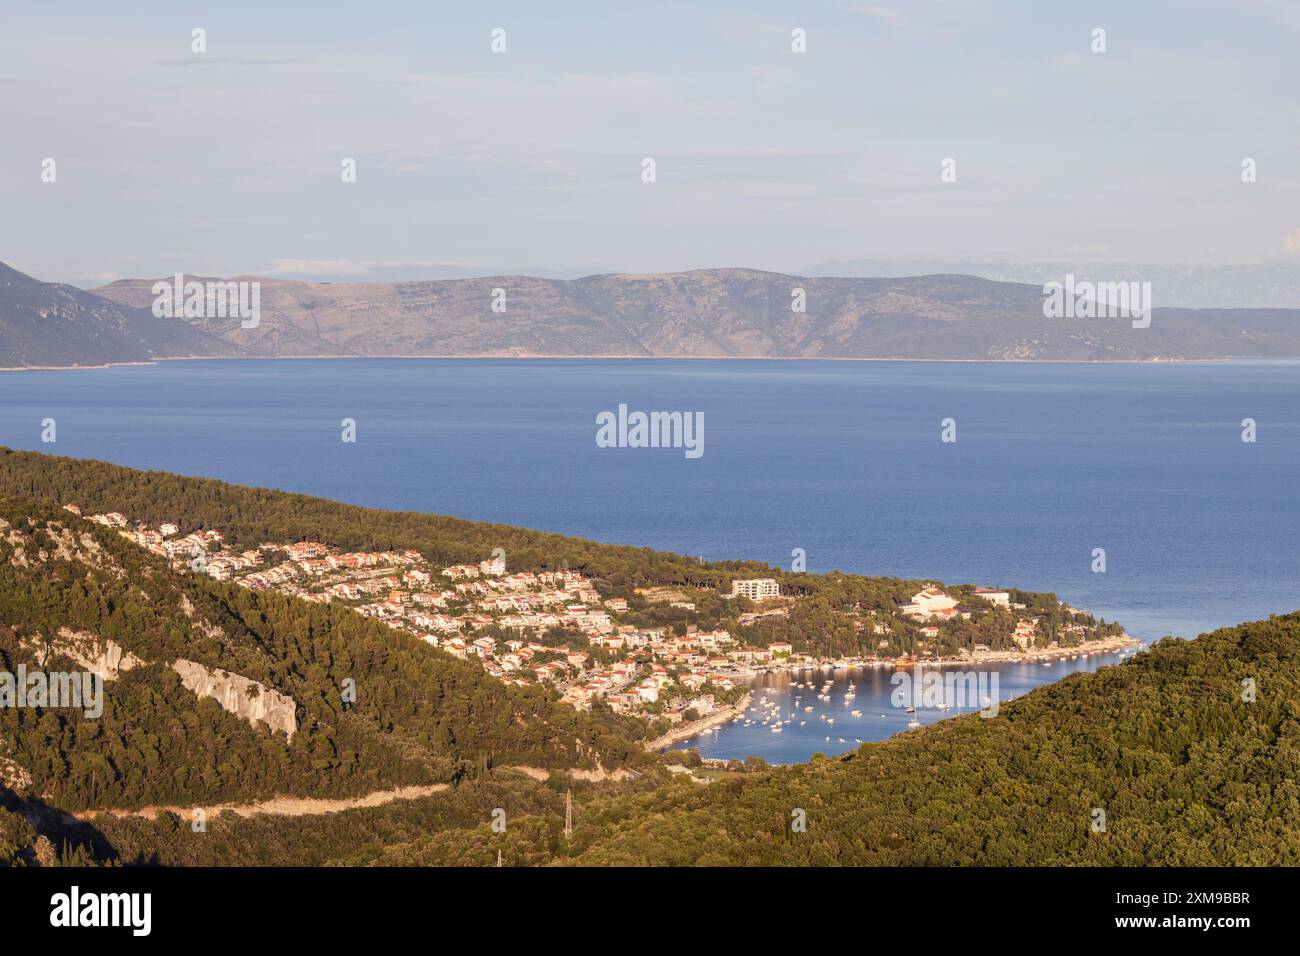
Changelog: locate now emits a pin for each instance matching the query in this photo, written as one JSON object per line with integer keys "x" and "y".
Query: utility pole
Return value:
{"x": 568, "y": 814}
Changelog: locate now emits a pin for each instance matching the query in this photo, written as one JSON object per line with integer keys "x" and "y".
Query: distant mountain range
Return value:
{"x": 1264, "y": 285}
{"x": 712, "y": 313}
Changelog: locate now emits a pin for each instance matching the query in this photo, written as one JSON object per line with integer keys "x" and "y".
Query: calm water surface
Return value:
{"x": 805, "y": 732}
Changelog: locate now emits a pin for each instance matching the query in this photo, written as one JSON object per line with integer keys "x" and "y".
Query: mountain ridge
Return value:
{"x": 724, "y": 313}
{"x": 703, "y": 313}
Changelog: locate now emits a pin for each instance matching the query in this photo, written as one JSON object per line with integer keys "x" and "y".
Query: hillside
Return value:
{"x": 721, "y": 313}
{"x": 47, "y": 324}
{"x": 250, "y": 516}
{"x": 834, "y": 615}
{"x": 1186, "y": 772}
{"x": 77, "y": 597}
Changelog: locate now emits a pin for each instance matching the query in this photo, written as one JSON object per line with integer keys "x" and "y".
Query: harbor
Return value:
{"x": 792, "y": 714}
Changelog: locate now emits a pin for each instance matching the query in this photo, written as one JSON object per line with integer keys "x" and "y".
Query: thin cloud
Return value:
{"x": 202, "y": 59}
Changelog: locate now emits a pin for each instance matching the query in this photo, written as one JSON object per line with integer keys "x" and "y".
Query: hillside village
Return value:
{"x": 555, "y": 627}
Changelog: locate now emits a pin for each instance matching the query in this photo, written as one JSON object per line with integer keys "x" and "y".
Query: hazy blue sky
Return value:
{"x": 229, "y": 161}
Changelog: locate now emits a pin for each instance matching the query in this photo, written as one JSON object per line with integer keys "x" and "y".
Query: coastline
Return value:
{"x": 536, "y": 356}
{"x": 1109, "y": 645}
{"x": 703, "y": 725}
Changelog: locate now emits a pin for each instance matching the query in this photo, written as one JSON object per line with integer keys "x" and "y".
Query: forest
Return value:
{"x": 1186, "y": 755}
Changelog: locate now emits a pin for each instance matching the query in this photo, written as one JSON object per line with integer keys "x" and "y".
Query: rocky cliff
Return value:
{"x": 240, "y": 696}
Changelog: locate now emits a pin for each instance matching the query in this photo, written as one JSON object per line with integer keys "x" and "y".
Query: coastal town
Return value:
{"x": 557, "y": 629}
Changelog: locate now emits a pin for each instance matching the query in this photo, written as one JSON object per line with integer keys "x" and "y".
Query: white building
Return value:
{"x": 994, "y": 596}
{"x": 929, "y": 603}
{"x": 756, "y": 589}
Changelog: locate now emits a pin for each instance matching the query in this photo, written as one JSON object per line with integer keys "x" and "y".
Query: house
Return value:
{"x": 928, "y": 604}
{"x": 110, "y": 520}
{"x": 994, "y": 596}
{"x": 302, "y": 550}
{"x": 1025, "y": 634}
{"x": 457, "y": 571}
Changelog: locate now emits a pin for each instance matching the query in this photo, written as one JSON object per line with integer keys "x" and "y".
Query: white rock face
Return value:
{"x": 96, "y": 655}
{"x": 240, "y": 696}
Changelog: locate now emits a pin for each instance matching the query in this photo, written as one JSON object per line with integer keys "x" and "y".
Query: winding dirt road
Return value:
{"x": 279, "y": 806}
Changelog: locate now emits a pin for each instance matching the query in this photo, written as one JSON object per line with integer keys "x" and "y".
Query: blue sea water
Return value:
{"x": 840, "y": 459}
{"x": 835, "y": 723}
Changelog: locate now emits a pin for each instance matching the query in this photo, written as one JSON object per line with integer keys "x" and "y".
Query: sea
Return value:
{"x": 1025, "y": 475}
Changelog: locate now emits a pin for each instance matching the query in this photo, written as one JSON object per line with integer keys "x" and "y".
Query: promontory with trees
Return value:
{"x": 1184, "y": 748}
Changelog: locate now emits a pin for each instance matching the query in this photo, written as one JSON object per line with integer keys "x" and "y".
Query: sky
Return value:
{"x": 530, "y": 160}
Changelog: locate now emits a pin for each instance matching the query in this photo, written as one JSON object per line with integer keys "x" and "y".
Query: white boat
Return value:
{"x": 776, "y": 728}
{"x": 914, "y": 723}
{"x": 856, "y": 713}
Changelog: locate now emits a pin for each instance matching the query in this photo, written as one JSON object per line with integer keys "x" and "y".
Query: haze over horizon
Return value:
{"x": 471, "y": 162}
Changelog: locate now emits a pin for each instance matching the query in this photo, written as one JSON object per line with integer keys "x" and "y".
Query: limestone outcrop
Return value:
{"x": 97, "y": 655}
{"x": 240, "y": 696}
